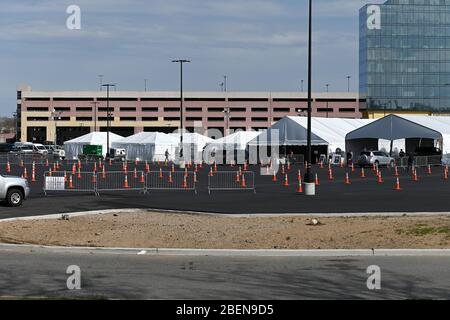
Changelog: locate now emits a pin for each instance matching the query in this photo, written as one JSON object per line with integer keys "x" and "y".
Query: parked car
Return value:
{"x": 56, "y": 151}
{"x": 6, "y": 147}
{"x": 13, "y": 190}
{"x": 379, "y": 158}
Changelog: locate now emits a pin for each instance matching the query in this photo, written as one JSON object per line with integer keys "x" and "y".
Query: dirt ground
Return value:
{"x": 164, "y": 230}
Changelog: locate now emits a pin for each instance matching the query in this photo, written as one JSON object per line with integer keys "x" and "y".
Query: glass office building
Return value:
{"x": 404, "y": 61}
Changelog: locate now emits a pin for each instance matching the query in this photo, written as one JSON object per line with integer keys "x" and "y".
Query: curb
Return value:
{"x": 227, "y": 215}
{"x": 230, "y": 252}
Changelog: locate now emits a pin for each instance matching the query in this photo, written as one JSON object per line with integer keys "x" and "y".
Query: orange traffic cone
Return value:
{"x": 185, "y": 182}
{"x": 136, "y": 162}
{"x": 135, "y": 173}
{"x": 94, "y": 178}
{"x": 446, "y": 174}
{"x": 142, "y": 178}
{"x": 46, "y": 163}
{"x": 429, "y": 169}
{"x": 173, "y": 168}
{"x": 330, "y": 175}
{"x": 170, "y": 177}
{"x": 286, "y": 181}
{"x": 79, "y": 173}
{"x": 244, "y": 184}
{"x": 347, "y": 179}
{"x": 300, "y": 187}
{"x": 363, "y": 174}
{"x": 160, "y": 173}
{"x": 8, "y": 167}
{"x": 33, "y": 176}
{"x": 70, "y": 182}
{"x": 49, "y": 172}
{"x": 321, "y": 165}
{"x": 245, "y": 165}
{"x": 110, "y": 162}
{"x": 299, "y": 176}
{"x": 57, "y": 165}
{"x": 65, "y": 176}
{"x": 274, "y": 179}
{"x": 380, "y": 177}
{"x": 317, "y": 182}
{"x": 95, "y": 167}
{"x": 353, "y": 168}
{"x": 25, "y": 173}
{"x": 21, "y": 163}
{"x": 103, "y": 173}
{"x": 397, "y": 185}
{"x": 210, "y": 174}
{"x": 238, "y": 177}
{"x": 415, "y": 176}
{"x": 215, "y": 166}
{"x": 195, "y": 177}
{"x": 125, "y": 182}
{"x": 74, "y": 169}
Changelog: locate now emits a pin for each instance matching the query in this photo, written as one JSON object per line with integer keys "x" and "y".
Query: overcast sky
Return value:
{"x": 260, "y": 44}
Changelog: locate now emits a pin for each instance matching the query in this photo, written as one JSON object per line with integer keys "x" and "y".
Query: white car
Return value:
{"x": 379, "y": 158}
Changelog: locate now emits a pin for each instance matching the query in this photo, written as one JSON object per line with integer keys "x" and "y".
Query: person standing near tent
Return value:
{"x": 167, "y": 154}
{"x": 410, "y": 161}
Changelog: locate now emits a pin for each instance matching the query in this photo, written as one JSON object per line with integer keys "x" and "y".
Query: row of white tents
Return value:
{"x": 350, "y": 135}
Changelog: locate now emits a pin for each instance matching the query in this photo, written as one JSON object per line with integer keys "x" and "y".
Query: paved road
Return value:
{"x": 30, "y": 274}
{"x": 430, "y": 194}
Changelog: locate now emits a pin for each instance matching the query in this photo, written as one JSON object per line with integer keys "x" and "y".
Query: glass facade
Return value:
{"x": 405, "y": 64}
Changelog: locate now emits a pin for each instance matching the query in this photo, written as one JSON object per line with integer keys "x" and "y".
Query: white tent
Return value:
{"x": 74, "y": 147}
{"x": 332, "y": 130}
{"x": 440, "y": 124}
{"x": 236, "y": 141}
{"x": 193, "y": 145}
{"x": 149, "y": 146}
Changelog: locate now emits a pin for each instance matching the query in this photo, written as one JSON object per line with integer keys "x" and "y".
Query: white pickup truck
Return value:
{"x": 13, "y": 190}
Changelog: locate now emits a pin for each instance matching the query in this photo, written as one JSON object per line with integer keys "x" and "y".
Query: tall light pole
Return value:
{"x": 302, "y": 84}
{"x": 310, "y": 188}
{"x": 56, "y": 115}
{"x": 181, "y": 62}
{"x": 221, "y": 86}
{"x": 145, "y": 85}
{"x": 225, "y": 83}
{"x": 227, "y": 113}
{"x": 327, "y": 85}
{"x": 348, "y": 82}
{"x": 95, "y": 104}
{"x": 108, "y": 119}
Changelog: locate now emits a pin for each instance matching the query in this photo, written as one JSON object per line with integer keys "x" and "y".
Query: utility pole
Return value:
{"x": 108, "y": 119}
{"x": 327, "y": 85}
{"x": 348, "y": 84}
{"x": 225, "y": 83}
{"x": 181, "y": 62}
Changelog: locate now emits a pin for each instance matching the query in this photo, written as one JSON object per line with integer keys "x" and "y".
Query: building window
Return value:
{"x": 37, "y": 109}
{"x": 216, "y": 109}
{"x": 128, "y": 109}
{"x": 259, "y": 119}
{"x": 325, "y": 109}
{"x": 37, "y": 118}
{"x": 150, "y": 109}
{"x": 171, "y": 109}
{"x": 286, "y": 110}
{"x": 215, "y": 119}
{"x": 236, "y": 119}
{"x": 194, "y": 118}
{"x": 104, "y": 109}
{"x": 84, "y": 118}
{"x": 260, "y": 110}
{"x": 127, "y": 118}
{"x": 347, "y": 110}
{"x": 150, "y": 119}
{"x": 238, "y": 109}
{"x": 62, "y": 109}
{"x": 194, "y": 109}
{"x": 171, "y": 118}
{"x": 84, "y": 109}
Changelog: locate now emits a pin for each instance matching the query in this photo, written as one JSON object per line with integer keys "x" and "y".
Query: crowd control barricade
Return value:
{"x": 61, "y": 182}
{"x": 166, "y": 180}
{"x": 121, "y": 181}
{"x": 232, "y": 180}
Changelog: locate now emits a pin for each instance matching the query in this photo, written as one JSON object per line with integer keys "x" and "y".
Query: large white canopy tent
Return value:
{"x": 231, "y": 148}
{"x": 195, "y": 142}
{"x": 74, "y": 147}
{"x": 411, "y": 132}
{"x": 150, "y": 146}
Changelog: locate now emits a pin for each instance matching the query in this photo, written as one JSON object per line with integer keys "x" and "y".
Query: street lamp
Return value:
{"x": 145, "y": 85}
{"x": 225, "y": 83}
{"x": 108, "y": 119}
{"x": 310, "y": 188}
{"x": 348, "y": 83}
{"x": 101, "y": 81}
{"x": 56, "y": 115}
{"x": 227, "y": 113}
{"x": 302, "y": 84}
{"x": 181, "y": 62}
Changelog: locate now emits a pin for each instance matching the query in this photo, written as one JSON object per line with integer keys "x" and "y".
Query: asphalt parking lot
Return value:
{"x": 429, "y": 194}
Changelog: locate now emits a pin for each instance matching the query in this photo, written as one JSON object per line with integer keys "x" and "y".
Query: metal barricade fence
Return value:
{"x": 232, "y": 180}
{"x": 121, "y": 181}
{"x": 67, "y": 182}
{"x": 167, "y": 180}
